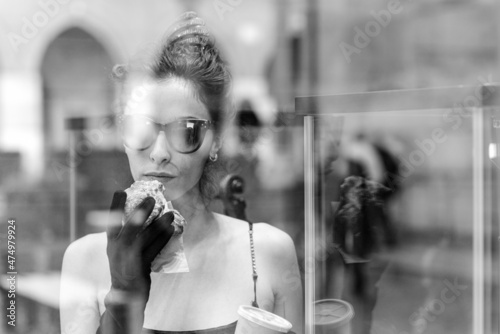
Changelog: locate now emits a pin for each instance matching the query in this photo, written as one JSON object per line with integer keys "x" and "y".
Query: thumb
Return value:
{"x": 116, "y": 214}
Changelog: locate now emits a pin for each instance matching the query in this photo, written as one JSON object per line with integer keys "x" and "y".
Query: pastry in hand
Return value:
{"x": 139, "y": 190}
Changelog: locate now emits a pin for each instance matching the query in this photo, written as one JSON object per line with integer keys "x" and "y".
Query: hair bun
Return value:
{"x": 189, "y": 29}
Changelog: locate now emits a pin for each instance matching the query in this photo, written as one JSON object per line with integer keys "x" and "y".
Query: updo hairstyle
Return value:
{"x": 188, "y": 52}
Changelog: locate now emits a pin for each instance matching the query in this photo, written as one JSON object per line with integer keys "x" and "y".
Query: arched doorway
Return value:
{"x": 76, "y": 73}
{"x": 76, "y": 83}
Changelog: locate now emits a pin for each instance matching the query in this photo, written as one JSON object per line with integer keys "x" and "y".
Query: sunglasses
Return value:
{"x": 185, "y": 135}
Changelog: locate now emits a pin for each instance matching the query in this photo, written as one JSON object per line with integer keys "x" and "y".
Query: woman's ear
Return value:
{"x": 216, "y": 145}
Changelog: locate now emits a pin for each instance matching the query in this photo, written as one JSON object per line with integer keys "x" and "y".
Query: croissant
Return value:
{"x": 138, "y": 191}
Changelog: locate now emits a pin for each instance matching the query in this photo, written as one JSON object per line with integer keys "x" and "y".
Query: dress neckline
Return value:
{"x": 219, "y": 329}
{"x": 229, "y": 328}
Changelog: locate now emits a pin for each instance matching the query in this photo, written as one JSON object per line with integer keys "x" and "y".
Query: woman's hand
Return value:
{"x": 131, "y": 249}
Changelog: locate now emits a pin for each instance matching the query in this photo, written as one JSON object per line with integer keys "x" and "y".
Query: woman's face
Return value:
{"x": 165, "y": 102}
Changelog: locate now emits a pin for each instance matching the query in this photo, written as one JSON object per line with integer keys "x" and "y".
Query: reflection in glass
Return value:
{"x": 402, "y": 217}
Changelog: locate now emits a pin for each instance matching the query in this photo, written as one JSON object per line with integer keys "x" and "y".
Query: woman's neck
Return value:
{"x": 200, "y": 221}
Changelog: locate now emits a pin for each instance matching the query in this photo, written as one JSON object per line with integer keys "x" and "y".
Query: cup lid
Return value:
{"x": 332, "y": 312}
{"x": 264, "y": 318}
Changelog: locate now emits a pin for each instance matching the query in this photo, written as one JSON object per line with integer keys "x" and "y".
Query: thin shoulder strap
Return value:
{"x": 254, "y": 266}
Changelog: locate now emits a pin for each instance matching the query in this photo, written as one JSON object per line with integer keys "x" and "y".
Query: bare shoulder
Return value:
{"x": 87, "y": 245}
{"x": 232, "y": 227}
{"x": 268, "y": 239}
{"x": 278, "y": 263}
{"x": 274, "y": 242}
{"x": 81, "y": 276}
{"x": 85, "y": 254}
{"x": 277, "y": 266}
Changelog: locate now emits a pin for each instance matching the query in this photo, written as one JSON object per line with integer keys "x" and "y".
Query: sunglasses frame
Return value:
{"x": 206, "y": 124}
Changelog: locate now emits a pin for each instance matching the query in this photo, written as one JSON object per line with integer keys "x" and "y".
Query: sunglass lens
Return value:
{"x": 187, "y": 136}
{"x": 138, "y": 133}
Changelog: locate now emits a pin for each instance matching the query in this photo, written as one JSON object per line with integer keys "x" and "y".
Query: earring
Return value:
{"x": 214, "y": 158}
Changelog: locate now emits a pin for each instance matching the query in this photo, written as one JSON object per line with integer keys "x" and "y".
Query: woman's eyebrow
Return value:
{"x": 187, "y": 117}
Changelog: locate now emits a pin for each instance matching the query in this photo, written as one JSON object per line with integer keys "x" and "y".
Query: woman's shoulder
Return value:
{"x": 268, "y": 239}
{"x": 274, "y": 242}
{"x": 89, "y": 243}
{"x": 85, "y": 251}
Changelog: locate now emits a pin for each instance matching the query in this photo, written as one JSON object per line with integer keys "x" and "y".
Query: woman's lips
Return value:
{"x": 159, "y": 176}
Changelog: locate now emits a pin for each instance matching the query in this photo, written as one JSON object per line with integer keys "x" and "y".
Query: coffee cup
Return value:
{"x": 332, "y": 316}
{"x": 254, "y": 320}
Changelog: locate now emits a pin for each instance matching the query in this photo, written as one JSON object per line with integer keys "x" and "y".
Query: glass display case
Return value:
{"x": 401, "y": 220}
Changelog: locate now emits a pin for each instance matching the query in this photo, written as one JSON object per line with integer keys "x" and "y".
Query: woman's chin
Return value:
{"x": 171, "y": 196}
{"x": 191, "y": 196}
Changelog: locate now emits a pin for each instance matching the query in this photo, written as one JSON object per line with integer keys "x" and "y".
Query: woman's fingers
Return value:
{"x": 116, "y": 214}
{"x": 136, "y": 221}
{"x": 149, "y": 234}
{"x": 156, "y": 236}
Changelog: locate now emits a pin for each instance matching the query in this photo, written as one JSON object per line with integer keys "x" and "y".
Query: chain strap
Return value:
{"x": 254, "y": 266}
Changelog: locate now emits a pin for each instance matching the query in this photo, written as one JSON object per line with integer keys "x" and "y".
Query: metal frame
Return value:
{"x": 423, "y": 100}
{"x": 310, "y": 216}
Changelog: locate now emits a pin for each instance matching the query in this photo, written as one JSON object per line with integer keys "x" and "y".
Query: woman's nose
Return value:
{"x": 160, "y": 152}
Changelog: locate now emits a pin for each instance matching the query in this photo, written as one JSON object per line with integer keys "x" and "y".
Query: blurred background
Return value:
{"x": 58, "y": 143}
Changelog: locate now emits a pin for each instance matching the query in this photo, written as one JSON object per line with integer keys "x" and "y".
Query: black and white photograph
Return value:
{"x": 250, "y": 167}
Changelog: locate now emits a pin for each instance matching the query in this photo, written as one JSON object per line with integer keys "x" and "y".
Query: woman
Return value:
{"x": 186, "y": 86}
